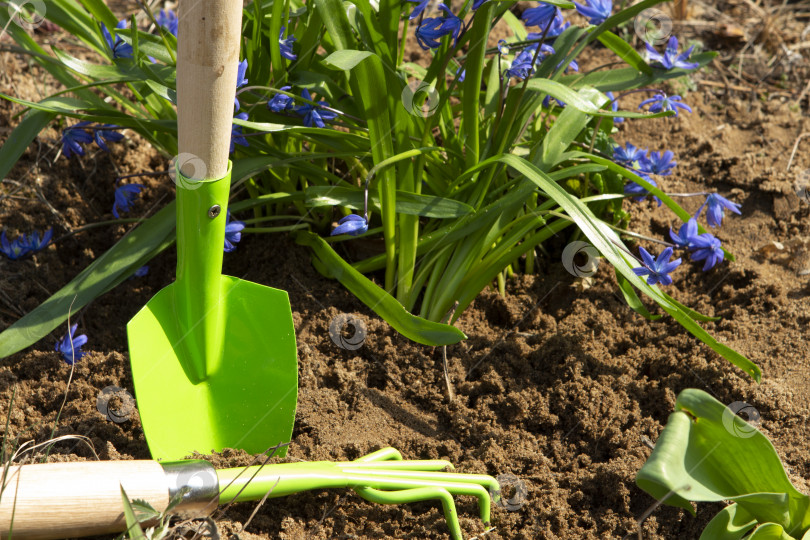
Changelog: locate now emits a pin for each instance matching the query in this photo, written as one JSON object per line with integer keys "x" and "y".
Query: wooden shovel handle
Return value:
{"x": 207, "y": 61}
{"x": 61, "y": 500}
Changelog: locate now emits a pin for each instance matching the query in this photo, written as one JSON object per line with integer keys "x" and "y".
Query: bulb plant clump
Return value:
{"x": 461, "y": 165}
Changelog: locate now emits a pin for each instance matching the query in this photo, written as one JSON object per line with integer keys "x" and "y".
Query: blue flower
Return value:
{"x": 240, "y": 82}
{"x": 168, "y": 20}
{"x": 478, "y": 3}
{"x": 522, "y": 67}
{"x": 596, "y": 10}
{"x": 352, "y": 224}
{"x": 686, "y": 234}
{"x": 547, "y": 102}
{"x": 119, "y": 48}
{"x": 142, "y": 271}
{"x": 100, "y": 135}
{"x": 657, "y": 270}
{"x": 461, "y": 74}
{"x": 314, "y": 115}
{"x": 707, "y": 247}
{"x": 434, "y": 28}
{"x": 658, "y": 163}
{"x": 13, "y": 250}
{"x": 614, "y": 106}
{"x": 662, "y": 102}
{"x": 420, "y": 7}
{"x": 233, "y": 233}
{"x": 540, "y": 16}
{"x": 125, "y": 196}
{"x": 70, "y": 346}
{"x": 671, "y": 58}
{"x": 281, "y": 102}
{"x": 236, "y": 133}
{"x": 73, "y": 137}
{"x": 33, "y": 243}
{"x": 639, "y": 192}
{"x": 716, "y": 203}
{"x": 503, "y": 47}
{"x": 628, "y": 155}
{"x": 286, "y": 45}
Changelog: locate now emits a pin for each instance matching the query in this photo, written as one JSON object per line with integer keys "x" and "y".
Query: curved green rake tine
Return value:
{"x": 482, "y": 479}
{"x": 414, "y": 495}
{"x": 383, "y": 454}
{"x": 453, "y": 487}
{"x": 381, "y": 476}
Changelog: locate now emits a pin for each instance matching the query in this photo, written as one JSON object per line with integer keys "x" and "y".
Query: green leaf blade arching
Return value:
{"x": 413, "y": 204}
{"x": 383, "y": 304}
{"x": 114, "y": 266}
{"x": 612, "y": 248}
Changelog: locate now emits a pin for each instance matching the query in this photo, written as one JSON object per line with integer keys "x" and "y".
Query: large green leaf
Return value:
{"x": 579, "y": 101}
{"x": 708, "y": 453}
{"x": 731, "y": 523}
{"x": 383, "y": 304}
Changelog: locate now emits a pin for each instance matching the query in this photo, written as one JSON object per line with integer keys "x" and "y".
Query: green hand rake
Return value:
{"x": 58, "y": 500}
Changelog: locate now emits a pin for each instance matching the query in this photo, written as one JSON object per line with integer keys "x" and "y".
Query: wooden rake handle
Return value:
{"x": 61, "y": 500}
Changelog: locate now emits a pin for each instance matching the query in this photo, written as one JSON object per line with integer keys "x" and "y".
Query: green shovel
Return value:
{"x": 213, "y": 357}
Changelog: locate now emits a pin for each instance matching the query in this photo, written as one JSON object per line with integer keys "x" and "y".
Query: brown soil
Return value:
{"x": 560, "y": 384}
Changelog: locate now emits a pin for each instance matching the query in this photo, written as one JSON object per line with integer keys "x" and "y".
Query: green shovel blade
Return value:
{"x": 247, "y": 402}
{"x": 213, "y": 357}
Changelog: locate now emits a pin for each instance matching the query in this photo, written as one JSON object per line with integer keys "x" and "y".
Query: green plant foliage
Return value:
{"x": 465, "y": 178}
{"x": 707, "y": 453}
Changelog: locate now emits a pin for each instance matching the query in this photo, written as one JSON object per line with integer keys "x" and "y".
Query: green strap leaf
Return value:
{"x": 612, "y": 248}
{"x": 346, "y": 59}
{"x": 21, "y": 137}
{"x": 110, "y": 269}
{"x": 575, "y": 99}
{"x": 407, "y": 203}
{"x": 624, "y": 51}
{"x": 383, "y": 304}
{"x": 632, "y": 298}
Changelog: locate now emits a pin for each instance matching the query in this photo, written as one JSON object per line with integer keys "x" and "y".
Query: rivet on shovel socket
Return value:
{"x": 214, "y": 211}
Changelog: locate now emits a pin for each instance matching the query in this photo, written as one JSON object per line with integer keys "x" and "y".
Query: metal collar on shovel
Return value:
{"x": 213, "y": 357}
{"x": 59, "y": 500}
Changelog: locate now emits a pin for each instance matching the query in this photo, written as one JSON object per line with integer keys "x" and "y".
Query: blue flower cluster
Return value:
{"x": 125, "y": 196}
{"x": 704, "y": 247}
{"x": 233, "y": 233}
{"x": 118, "y": 47}
{"x": 75, "y": 136}
{"x": 433, "y": 29}
{"x": 24, "y": 244}
{"x": 313, "y": 115}
{"x": 167, "y": 19}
